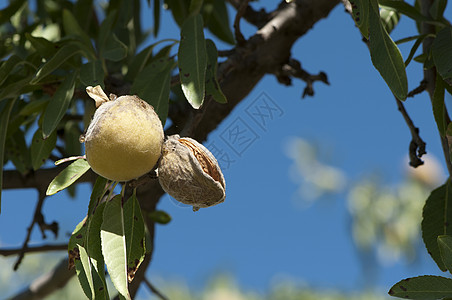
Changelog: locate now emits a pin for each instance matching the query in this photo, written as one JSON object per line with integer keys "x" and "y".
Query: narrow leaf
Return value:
{"x": 134, "y": 230}
{"x": 57, "y": 60}
{"x": 436, "y": 220}
{"x": 386, "y": 57}
{"x": 216, "y": 16}
{"x": 114, "y": 50}
{"x": 18, "y": 152}
{"x": 153, "y": 85}
{"x": 114, "y": 244}
{"x": 193, "y": 60}
{"x": 439, "y": 106}
{"x": 41, "y": 148}
{"x": 156, "y": 16}
{"x": 445, "y": 249}
{"x": 212, "y": 87}
{"x": 360, "y": 13}
{"x": 423, "y": 287}
{"x": 84, "y": 269}
{"x": 8, "y": 66}
{"x": 4, "y": 119}
{"x": 442, "y": 53}
{"x": 58, "y": 105}
{"x": 92, "y": 74}
{"x": 160, "y": 216}
{"x": 68, "y": 176}
{"x": 72, "y": 27}
{"x": 44, "y": 47}
{"x": 405, "y": 8}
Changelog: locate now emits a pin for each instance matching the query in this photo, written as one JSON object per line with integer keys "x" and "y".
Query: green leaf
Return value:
{"x": 195, "y": 7}
{"x": 413, "y": 50}
{"x": 34, "y": 106}
{"x": 58, "y": 105}
{"x": 445, "y": 249}
{"x": 84, "y": 270}
{"x": 386, "y": 56}
{"x": 57, "y": 60}
{"x": 114, "y": 244}
{"x": 8, "y": 66}
{"x": 15, "y": 88}
{"x": 77, "y": 238}
{"x": 72, "y": 133}
{"x": 212, "y": 87}
{"x": 405, "y": 8}
{"x": 160, "y": 216}
{"x": 68, "y": 176}
{"x": 114, "y": 50}
{"x": 105, "y": 30}
{"x": 436, "y": 220}
{"x": 437, "y": 9}
{"x": 216, "y": 17}
{"x": 442, "y": 53}
{"x": 18, "y": 152}
{"x": 134, "y": 230}
{"x": 389, "y": 17}
{"x": 41, "y": 148}
{"x": 4, "y": 119}
{"x": 92, "y": 74}
{"x": 10, "y": 10}
{"x": 360, "y": 13}
{"x": 423, "y": 287}
{"x": 179, "y": 10}
{"x": 193, "y": 60}
{"x": 439, "y": 106}
{"x": 72, "y": 27}
{"x": 153, "y": 85}
{"x": 44, "y": 47}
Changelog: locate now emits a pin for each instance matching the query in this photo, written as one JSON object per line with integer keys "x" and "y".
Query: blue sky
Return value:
{"x": 259, "y": 233}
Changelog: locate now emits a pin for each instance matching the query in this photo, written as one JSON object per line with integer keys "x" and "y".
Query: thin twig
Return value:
{"x": 240, "y": 12}
{"x": 154, "y": 289}
{"x": 293, "y": 69}
{"x": 417, "y": 145}
{"x": 43, "y": 248}
{"x": 422, "y": 87}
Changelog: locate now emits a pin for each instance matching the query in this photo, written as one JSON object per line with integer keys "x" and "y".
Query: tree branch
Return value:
{"x": 33, "y": 249}
{"x": 47, "y": 283}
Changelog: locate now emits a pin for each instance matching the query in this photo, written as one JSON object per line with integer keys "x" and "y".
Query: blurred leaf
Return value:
{"x": 58, "y": 105}
{"x": 15, "y": 88}
{"x": 142, "y": 59}
{"x": 83, "y": 13}
{"x": 212, "y": 87}
{"x": 8, "y": 66}
{"x": 193, "y": 60}
{"x": 68, "y": 176}
{"x": 439, "y": 106}
{"x": 4, "y": 119}
{"x": 156, "y": 16}
{"x": 386, "y": 56}
{"x": 153, "y": 85}
{"x": 34, "y": 106}
{"x": 160, "y": 216}
{"x": 18, "y": 152}
{"x": 57, "y": 60}
{"x": 360, "y": 13}
{"x": 10, "y": 10}
{"x": 134, "y": 231}
{"x": 179, "y": 10}
{"x": 437, "y": 9}
{"x": 423, "y": 287}
{"x": 92, "y": 74}
{"x": 114, "y": 244}
{"x": 72, "y": 27}
{"x": 435, "y": 219}
{"x": 195, "y": 7}
{"x": 445, "y": 249}
{"x": 106, "y": 30}
{"x": 72, "y": 145}
{"x": 44, "y": 47}
{"x": 404, "y": 8}
{"x": 442, "y": 53}
{"x": 216, "y": 17}
{"x": 114, "y": 50}
{"x": 389, "y": 17}
{"x": 41, "y": 148}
